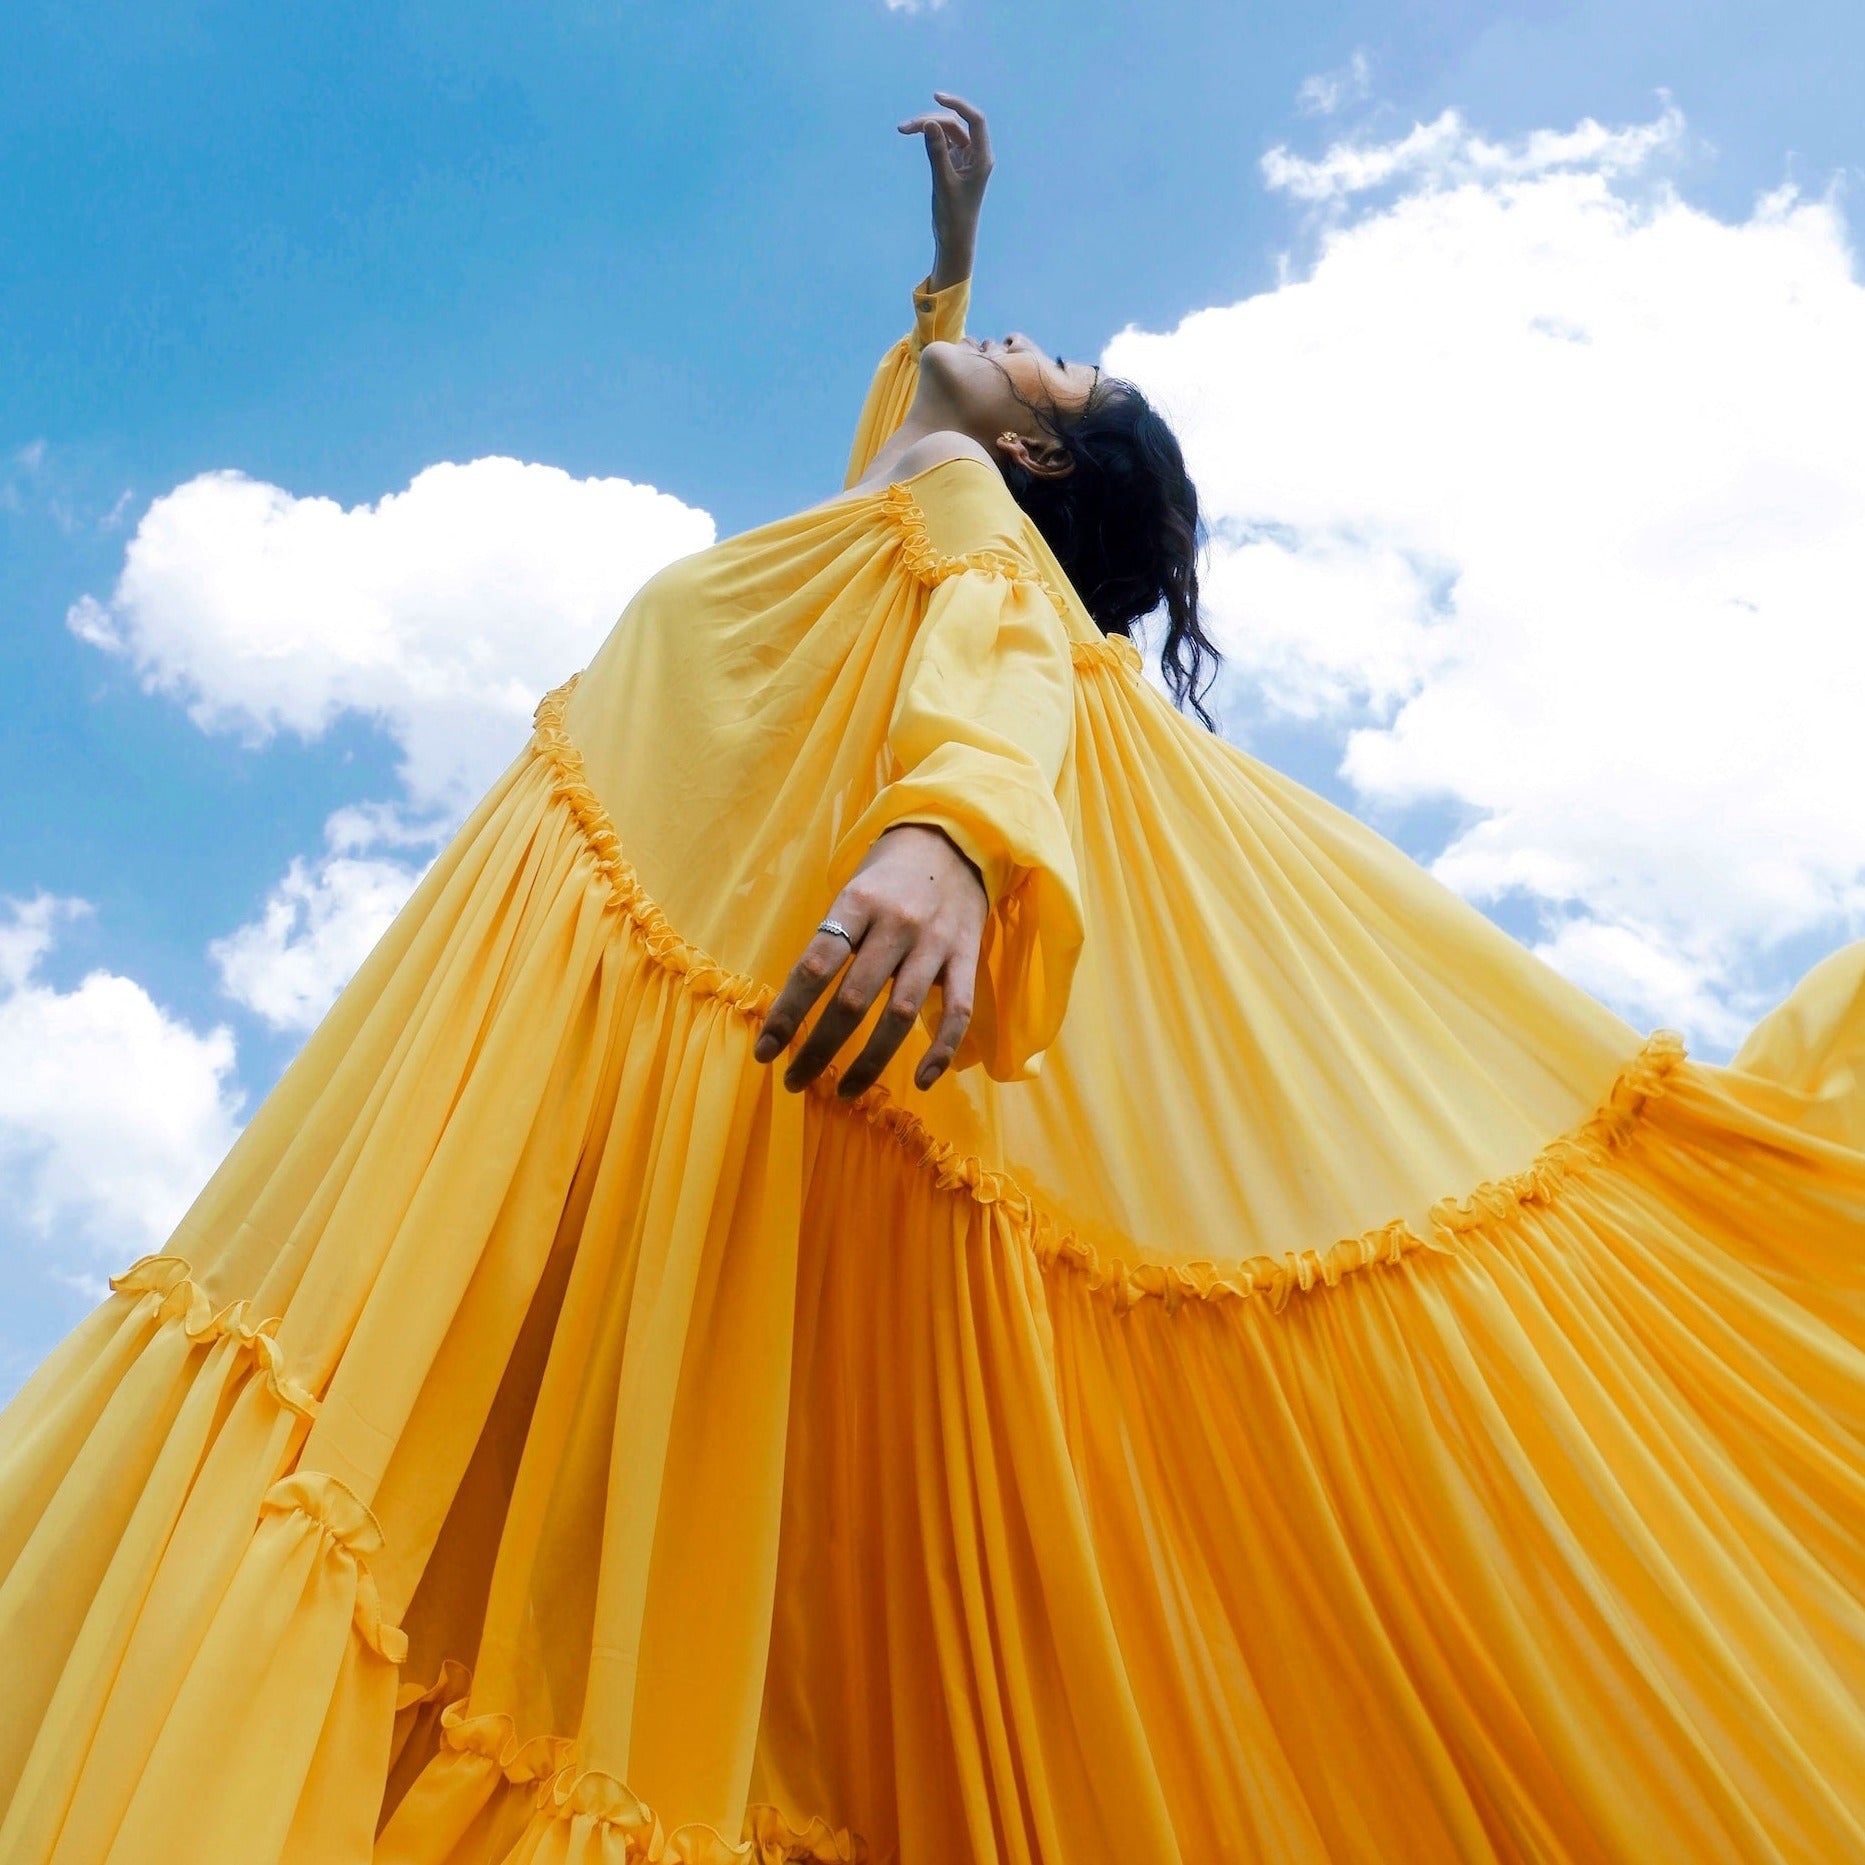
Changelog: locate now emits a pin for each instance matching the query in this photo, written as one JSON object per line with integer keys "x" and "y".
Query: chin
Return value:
{"x": 964, "y": 375}
{"x": 946, "y": 359}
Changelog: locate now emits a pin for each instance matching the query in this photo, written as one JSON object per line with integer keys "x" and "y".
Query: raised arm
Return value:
{"x": 957, "y": 884}
{"x": 958, "y": 149}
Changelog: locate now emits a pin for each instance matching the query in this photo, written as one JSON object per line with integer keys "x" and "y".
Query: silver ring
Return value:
{"x": 840, "y": 931}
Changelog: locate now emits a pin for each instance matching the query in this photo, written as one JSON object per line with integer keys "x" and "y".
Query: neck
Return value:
{"x": 931, "y": 412}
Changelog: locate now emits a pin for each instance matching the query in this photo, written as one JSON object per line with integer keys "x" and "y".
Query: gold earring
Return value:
{"x": 1005, "y": 438}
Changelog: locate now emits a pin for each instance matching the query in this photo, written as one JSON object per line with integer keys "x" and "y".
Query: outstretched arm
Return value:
{"x": 958, "y": 148}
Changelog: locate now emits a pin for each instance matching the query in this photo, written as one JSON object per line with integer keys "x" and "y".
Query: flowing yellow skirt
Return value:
{"x": 547, "y": 1440}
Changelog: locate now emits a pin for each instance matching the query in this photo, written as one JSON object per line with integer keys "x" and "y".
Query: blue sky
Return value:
{"x": 327, "y": 248}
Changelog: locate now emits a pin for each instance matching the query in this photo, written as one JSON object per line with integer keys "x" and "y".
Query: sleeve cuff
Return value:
{"x": 939, "y": 316}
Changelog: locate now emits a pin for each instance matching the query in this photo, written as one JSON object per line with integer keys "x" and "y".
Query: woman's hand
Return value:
{"x": 915, "y": 909}
{"x": 958, "y": 144}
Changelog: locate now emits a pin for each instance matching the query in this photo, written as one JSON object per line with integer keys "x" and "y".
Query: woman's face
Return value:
{"x": 984, "y": 377}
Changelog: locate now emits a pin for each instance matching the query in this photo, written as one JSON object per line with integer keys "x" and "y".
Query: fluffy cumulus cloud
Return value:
{"x": 1542, "y": 493}
{"x": 319, "y": 923}
{"x": 317, "y": 926}
{"x": 440, "y": 612}
{"x": 112, "y": 1112}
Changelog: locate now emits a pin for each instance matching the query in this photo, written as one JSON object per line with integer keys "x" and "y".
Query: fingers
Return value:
{"x": 911, "y": 985}
{"x": 916, "y": 911}
{"x": 973, "y": 118}
{"x": 938, "y": 149}
{"x": 945, "y": 143}
{"x": 954, "y": 130}
{"x": 956, "y": 982}
{"x": 822, "y": 958}
{"x": 881, "y": 950}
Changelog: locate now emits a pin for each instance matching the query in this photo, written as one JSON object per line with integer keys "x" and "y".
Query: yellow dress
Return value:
{"x": 1314, "y": 1386}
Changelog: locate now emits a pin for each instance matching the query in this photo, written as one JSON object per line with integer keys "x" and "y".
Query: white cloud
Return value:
{"x": 1327, "y": 91}
{"x": 914, "y": 6}
{"x": 1651, "y": 977}
{"x": 441, "y": 612}
{"x": 113, "y": 1114}
{"x": 1446, "y": 149}
{"x": 317, "y": 926}
{"x": 1543, "y": 493}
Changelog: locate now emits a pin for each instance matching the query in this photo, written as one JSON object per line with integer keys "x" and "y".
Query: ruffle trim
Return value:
{"x": 1055, "y": 1244}
{"x": 170, "y": 1279}
{"x": 1110, "y": 654}
{"x": 566, "y": 1790}
{"x": 703, "y": 975}
{"x": 769, "y": 1839}
{"x": 1497, "y": 1202}
{"x": 327, "y": 1504}
{"x": 493, "y": 1736}
{"x": 348, "y": 1525}
{"x": 453, "y": 1682}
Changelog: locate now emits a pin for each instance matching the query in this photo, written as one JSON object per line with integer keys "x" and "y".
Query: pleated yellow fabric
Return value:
{"x": 1314, "y": 1386}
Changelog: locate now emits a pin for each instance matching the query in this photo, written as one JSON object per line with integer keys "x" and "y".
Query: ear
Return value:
{"x": 1040, "y": 455}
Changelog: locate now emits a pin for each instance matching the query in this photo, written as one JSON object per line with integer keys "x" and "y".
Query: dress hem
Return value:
{"x": 562, "y": 1788}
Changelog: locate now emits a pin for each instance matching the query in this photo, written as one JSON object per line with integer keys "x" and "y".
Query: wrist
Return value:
{"x": 950, "y": 840}
{"x": 951, "y": 262}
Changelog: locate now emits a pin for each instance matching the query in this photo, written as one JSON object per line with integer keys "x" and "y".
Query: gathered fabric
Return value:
{"x": 1309, "y": 1385}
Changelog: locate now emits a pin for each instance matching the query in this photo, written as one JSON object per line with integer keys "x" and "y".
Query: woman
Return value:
{"x": 1333, "y": 1394}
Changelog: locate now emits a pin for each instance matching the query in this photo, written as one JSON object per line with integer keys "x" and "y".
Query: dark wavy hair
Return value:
{"x": 1124, "y": 525}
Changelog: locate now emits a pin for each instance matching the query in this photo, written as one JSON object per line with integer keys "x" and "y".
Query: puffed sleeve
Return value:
{"x": 980, "y": 732}
{"x": 938, "y": 317}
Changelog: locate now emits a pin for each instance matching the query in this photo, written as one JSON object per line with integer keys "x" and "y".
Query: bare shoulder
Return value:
{"x": 935, "y": 449}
